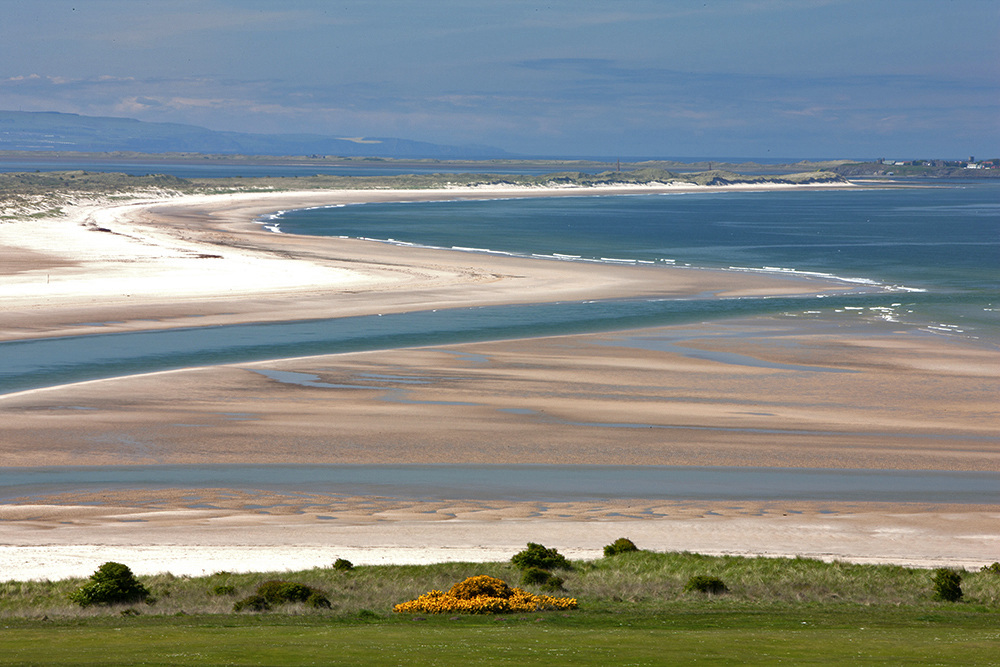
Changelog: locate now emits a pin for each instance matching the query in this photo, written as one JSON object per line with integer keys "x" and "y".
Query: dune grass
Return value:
{"x": 640, "y": 581}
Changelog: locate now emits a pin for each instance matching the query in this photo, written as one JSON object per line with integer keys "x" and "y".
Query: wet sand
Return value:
{"x": 781, "y": 392}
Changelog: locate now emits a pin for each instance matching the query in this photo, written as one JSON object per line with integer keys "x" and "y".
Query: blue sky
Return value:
{"x": 657, "y": 78}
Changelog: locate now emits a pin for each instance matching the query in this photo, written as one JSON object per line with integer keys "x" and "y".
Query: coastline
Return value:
{"x": 203, "y": 260}
{"x": 51, "y": 542}
{"x": 869, "y": 397}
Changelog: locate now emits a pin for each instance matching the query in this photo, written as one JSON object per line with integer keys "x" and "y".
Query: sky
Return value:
{"x": 644, "y": 78}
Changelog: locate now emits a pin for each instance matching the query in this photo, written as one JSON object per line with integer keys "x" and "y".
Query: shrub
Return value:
{"x": 541, "y": 557}
{"x": 480, "y": 586}
{"x": 252, "y": 603}
{"x": 535, "y": 576}
{"x": 482, "y": 595}
{"x": 620, "y": 546}
{"x": 279, "y": 592}
{"x": 112, "y": 583}
{"x": 705, "y": 584}
{"x": 947, "y": 585}
{"x": 343, "y": 565}
{"x": 223, "y": 589}
{"x": 554, "y": 584}
{"x": 317, "y": 600}
{"x": 274, "y": 593}
{"x": 991, "y": 569}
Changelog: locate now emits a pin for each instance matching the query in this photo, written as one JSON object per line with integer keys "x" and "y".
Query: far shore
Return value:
{"x": 850, "y": 395}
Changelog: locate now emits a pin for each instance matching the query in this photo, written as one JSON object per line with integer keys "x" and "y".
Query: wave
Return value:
{"x": 628, "y": 261}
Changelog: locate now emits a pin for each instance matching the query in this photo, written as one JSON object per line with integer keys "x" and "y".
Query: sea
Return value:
{"x": 922, "y": 255}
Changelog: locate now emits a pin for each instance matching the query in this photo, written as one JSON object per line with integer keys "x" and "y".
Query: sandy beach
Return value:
{"x": 780, "y": 392}
{"x": 202, "y": 260}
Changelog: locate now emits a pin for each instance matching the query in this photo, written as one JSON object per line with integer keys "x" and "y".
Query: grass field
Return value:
{"x": 633, "y": 610}
{"x": 714, "y": 633}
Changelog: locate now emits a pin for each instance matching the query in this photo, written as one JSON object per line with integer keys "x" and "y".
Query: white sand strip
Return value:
{"x": 261, "y": 543}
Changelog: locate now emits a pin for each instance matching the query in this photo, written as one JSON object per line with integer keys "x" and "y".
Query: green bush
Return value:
{"x": 622, "y": 545}
{"x": 317, "y": 600}
{"x": 223, "y": 589}
{"x": 541, "y": 557}
{"x": 112, "y": 583}
{"x": 991, "y": 569}
{"x": 947, "y": 585}
{"x": 343, "y": 565}
{"x": 252, "y": 603}
{"x": 554, "y": 584}
{"x": 274, "y": 593}
{"x": 535, "y": 576}
{"x": 704, "y": 584}
{"x": 279, "y": 592}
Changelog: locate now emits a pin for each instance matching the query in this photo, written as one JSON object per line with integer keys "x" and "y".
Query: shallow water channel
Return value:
{"x": 537, "y": 483}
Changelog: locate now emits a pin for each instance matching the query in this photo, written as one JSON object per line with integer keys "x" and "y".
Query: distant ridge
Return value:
{"x": 49, "y": 131}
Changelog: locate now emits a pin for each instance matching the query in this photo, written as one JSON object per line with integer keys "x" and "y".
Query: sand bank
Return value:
{"x": 781, "y": 392}
{"x": 201, "y": 260}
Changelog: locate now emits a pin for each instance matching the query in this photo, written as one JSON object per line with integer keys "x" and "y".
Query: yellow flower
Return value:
{"x": 482, "y": 595}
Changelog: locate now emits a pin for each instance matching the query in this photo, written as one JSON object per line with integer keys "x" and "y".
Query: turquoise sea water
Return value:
{"x": 922, "y": 257}
{"x": 938, "y": 247}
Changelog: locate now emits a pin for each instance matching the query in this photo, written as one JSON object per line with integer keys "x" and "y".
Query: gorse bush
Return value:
{"x": 991, "y": 569}
{"x": 481, "y": 586}
{"x": 482, "y": 595}
{"x": 704, "y": 584}
{"x": 112, "y": 583}
{"x": 536, "y": 555}
{"x": 223, "y": 589}
{"x": 947, "y": 585}
{"x": 622, "y": 545}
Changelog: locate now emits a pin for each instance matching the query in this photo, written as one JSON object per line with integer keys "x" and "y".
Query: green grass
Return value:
{"x": 719, "y": 635}
{"x": 633, "y": 610}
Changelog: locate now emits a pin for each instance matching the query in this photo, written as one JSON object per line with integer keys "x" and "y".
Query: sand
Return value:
{"x": 780, "y": 392}
{"x": 201, "y": 260}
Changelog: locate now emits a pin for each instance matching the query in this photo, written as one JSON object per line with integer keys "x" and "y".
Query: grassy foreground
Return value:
{"x": 633, "y": 610}
{"x": 708, "y": 634}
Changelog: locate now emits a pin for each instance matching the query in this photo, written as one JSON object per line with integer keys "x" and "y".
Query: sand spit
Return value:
{"x": 202, "y": 260}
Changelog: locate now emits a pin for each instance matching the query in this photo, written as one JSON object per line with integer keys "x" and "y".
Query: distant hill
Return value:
{"x": 52, "y": 131}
